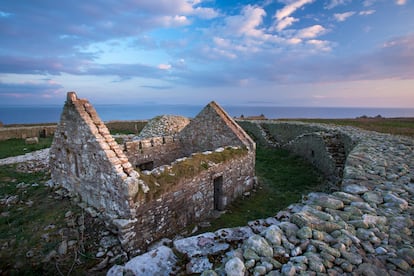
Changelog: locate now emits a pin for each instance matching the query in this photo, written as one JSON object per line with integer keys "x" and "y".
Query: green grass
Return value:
{"x": 24, "y": 221}
{"x": 15, "y": 147}
{"x": 397, "y": 126}
{"x": 283, "y": 179}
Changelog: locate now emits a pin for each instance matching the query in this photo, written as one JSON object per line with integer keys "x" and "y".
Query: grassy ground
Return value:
{"x": 283, "y": 179}
{"x": 33, "y": 223}
{"x": 398, "y": 126}
{"x": 15, "y": 147}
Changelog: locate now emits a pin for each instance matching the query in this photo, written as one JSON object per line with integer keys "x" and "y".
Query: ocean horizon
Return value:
{"x": 111, "y": 112}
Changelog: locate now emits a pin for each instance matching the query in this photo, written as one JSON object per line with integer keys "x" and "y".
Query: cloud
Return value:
{"x": 247, "y": 22}
{"x": 311, "y": 32}
{"x": 285, "y": 22}
{"x": 367, "y": 12}
{"x": 164, "y": 66}
{"x": 340, "y": 17}
{"x": 401, "y": 2}
{"x": 334, "y": 3}
{"x": 291, "y": 8}
{"x": 368, "y": 3}
{"x": 45, "y": 89}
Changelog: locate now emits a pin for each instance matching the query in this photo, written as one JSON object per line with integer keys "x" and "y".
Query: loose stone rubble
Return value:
{"x": 165, "y": 125}
{"x": 365, "y": 228}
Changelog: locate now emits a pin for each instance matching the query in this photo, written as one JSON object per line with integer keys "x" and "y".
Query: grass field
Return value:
{"x": 397, "y": 126}
{"x": 15, "y": 147}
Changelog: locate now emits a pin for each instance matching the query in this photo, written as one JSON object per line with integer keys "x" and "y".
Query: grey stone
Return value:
{"x": 249, "y": 254}
{"x": 355, "y": 189}
{"x": 259, "y": 245}
{"x": 325, "y": 200}
{"x": 200, "y": 245}
{"x": 315, "y": 263}
{"x": 288, "y": 270}
{"x": 259, "y": 270}
{"x": 198, "y": 265}
{"x": 304, "y": 233}
{"x": 209, "y": 273}
{"x": 373, "y": 197}
{"x": 273, "y": 234}
{"x": 234, "y": 267}
{"x": 394, "y": 200}
{"x": 63, "y": 248}
{"x": 160, "y": 261}
{"x": 400, "y": 263}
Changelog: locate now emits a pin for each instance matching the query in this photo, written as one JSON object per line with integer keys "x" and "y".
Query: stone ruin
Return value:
{"x": 153, "y": 187}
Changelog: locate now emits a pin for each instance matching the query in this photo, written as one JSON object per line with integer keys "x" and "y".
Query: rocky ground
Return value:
{"x": 364, "y": 229}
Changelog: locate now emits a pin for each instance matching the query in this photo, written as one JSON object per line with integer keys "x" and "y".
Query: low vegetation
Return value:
{"x": 15, "y": 147}
{"x": 33, "y": 223}
{"x": 397, "y": 126}
{"x": 283, "y": 179}
{"x": 186, "y": 168}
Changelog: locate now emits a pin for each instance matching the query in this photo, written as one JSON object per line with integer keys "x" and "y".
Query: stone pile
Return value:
{"x": 366, "y": 228}
{"x": 165, "y": 125}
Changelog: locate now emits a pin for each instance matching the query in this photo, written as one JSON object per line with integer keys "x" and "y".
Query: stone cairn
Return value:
{"x": 366, "y": 228}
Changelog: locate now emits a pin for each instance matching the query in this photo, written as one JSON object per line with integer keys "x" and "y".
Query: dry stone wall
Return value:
{"x": 365, "y": 228}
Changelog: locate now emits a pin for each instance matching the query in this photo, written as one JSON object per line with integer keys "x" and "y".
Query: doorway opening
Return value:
{"x": 218, "y": 193}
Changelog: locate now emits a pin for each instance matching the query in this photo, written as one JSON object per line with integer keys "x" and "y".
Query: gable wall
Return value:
{"x": 86, "y": 160}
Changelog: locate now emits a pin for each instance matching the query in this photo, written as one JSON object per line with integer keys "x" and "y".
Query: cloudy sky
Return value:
{"x": 269, "y": 52}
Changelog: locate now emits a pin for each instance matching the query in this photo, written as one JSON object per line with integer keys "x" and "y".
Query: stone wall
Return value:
{"x": 213, "y": 128}
{"x": 156, "y": 151}
{"x": 87, "y": 161}
{"x": 366, "y": 228}
{"x": 325, "y": 148}
{"x": 26, "y": 131}
{"x": 189, "y": 201}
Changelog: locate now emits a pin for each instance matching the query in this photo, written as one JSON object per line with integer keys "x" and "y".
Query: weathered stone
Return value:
{"x": 315, "y": 262}
{"x": 259, "y": 245}
{"x": 160, "y": 261}
{"x": 259, "y": 270}
{"x": 201, "y": 245}
{"x": 209, "y": 273}
{"x": 325, "y": 200}
{"x": 355, "y": 189}
{"x": 249, "y": 254}
{"x": 288, "y": 270}
{"x": 400, "y": 263}
{"x": 394, "y": 200}
{"x": 235, "y": 267}
{"x": 273, "y": 234}
{"x": 368, "y": 269}
{"x": 346, "y": 197}
{"x": 373, "y": 197}
{"x": 304, "y": 233}
{"x": 198, "y": 265}
{"x": 302, "y": 219}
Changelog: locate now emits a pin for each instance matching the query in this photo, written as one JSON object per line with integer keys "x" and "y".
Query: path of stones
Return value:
{"x": 364, "y": 229}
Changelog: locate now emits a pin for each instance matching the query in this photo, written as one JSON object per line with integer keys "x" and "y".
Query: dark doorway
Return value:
{"x": 147, "y": 166}
{"x": 218, "y": 193}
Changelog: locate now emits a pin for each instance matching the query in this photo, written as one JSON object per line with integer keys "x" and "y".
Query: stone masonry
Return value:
{"x": 136, "y": 187}
{"x": 365, "y": 227}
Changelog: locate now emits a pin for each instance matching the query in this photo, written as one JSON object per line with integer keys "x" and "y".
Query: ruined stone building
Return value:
{"x": 149, "y": 188}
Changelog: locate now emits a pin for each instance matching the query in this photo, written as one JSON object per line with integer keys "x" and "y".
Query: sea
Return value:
{"x": 110, "y": 112}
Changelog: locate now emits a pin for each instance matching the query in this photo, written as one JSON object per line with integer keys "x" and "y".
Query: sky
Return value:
{"x": 333, "y": 53}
